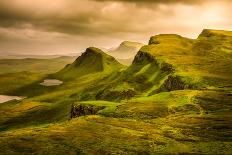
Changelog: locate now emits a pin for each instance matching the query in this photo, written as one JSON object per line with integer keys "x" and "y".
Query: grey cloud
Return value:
{"x": 98, "y": 20}
{"x": 81, "y": 20}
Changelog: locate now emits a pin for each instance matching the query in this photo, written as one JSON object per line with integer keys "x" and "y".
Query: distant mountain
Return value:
{"x": 34, "y": 65}
{"x": 126, "y": 50}
{"x": 4, "y": 55}
{"x": 126, "y": 62}
{"x": 93, "y": 60}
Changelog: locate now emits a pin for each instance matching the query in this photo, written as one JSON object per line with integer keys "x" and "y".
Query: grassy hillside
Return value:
{"x": 34, "y": 65}
{"x": 13, "y": 81}
{"x": 166, "y": 123}
{"x": 89, "y": 69}
{"x": 92, "y": 61}
{"x": 175, "y": 98}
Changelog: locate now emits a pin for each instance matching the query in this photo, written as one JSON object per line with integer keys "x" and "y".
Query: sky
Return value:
{"x": 46, "y": 27}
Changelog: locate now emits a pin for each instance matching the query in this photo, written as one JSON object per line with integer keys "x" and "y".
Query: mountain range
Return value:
{"x": 174, "y": 98}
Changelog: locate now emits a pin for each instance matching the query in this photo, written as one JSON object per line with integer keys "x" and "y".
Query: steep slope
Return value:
{"x": 171, "y": 62}
{"x": 202, "y": 62}
{"x": 93, "y": 60}
{"x": 125, "y": 52}
{"x": 148, "y": 71}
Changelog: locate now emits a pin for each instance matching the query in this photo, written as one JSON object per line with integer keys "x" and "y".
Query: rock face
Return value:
{"x": 78, "y": 110}
{"x": 143, "y": 57}
{"x": 166, "y": 67}
{"x": 175, "y": 83}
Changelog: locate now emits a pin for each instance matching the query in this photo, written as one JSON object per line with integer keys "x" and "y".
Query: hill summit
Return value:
{"x": 93, "y": 60}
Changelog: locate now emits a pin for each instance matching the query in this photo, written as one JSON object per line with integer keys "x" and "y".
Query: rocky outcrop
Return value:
{"x": 166, "y": 67}
{"x": 143, "y": 57}
{"x": 78, "y": 110}
{"x": 175, "y": 83}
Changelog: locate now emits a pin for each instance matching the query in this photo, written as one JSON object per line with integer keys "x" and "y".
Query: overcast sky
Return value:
{"x": 69, "y": 26}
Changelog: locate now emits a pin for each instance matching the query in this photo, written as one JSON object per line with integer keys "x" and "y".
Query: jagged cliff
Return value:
{"x": 78, "y": 110}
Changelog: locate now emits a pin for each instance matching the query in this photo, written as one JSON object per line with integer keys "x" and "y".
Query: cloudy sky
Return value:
{"x": 69, "y": 26}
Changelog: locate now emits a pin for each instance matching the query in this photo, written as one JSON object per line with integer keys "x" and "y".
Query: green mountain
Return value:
{"x": 171, "y": 62}
{"x": 175, "y": 98}
{"x": 93, "y": 60}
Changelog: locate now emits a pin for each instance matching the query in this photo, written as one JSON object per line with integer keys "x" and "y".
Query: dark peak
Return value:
{"x": 143, "y": 57}
{"x": 94, "y": 54}
{"x": 90, "y": 54}
{"x": 93, "y": 51}
{"x": 206, "y": 33}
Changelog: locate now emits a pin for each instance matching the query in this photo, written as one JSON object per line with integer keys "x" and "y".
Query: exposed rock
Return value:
{"x": 175, "y": 83}
{"x": 78, "y": 110}
{"x": 206, "y": 33}
{"x": 166, "y": 67}
{"x": 142, "y": 57}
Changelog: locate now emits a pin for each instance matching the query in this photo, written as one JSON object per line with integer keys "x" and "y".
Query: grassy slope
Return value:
{"x": 92, "y": 61}
{"x": 202, "y": 61}
{"x": 13, "y": 81}
{"x": 165, "y": 123}
{"x": 179, "y": 121}
{"x": 34, "y": 65}
{"x": 55, "y": 100}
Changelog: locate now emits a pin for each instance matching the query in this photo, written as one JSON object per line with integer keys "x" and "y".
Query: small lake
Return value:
{"x": 51, "y": 82}
{"x": 6, "y": 98}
